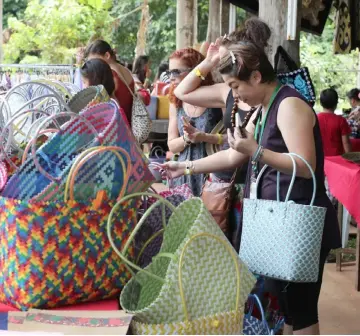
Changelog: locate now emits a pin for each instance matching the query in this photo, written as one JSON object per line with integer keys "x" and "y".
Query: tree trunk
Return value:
{"x": 214, "y": 22}
{"x": 184, "y": 23}
{"x": 195, "y": 29}
{"x": 225, "y": 16}
{"x": 142, "y": 32}
{"x": 274, "y": 13}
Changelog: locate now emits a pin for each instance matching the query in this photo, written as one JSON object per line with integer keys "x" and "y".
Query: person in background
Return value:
{"x": 124, "y": 82}
{"x": 354, "y": 117}
{"x": 335, "y": 130}
{"x": 98, "y": 72}
{"x": 162, "y": 80}
{"x": 141, "y": 72}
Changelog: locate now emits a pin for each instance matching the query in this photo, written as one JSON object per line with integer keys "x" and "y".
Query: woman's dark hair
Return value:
{"x": 354, "y": 94}
{"x": 247, "y": 53}
{"x": 99, "y": 47}
{"x": 98, "y": 72}
{"x": 254, "y": 30}
{"x": 162, "y": 68}
{"x": 329, "y": 99}
{"x": 139, "y": 67}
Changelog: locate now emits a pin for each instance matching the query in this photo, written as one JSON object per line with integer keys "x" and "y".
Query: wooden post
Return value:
{"x": 214, "y": 22}
{"x": 184, "y": 23}
{"x": 142, "y": 32}
{"x": 225, "y": 17}
{"x": 1, "y": 32}
{"x": 195, "y": 28}
{"x": 274, "y": 13}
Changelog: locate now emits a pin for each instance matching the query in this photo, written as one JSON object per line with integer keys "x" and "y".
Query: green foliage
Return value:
{"x": 13, "y": 8}
{"x": 327, "y": 69}
{"x": 51, "y": 31}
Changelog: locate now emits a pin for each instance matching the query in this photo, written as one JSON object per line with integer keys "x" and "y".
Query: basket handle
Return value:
{"x": 122, "y": 254}
{"x": 233, "y": 255}
{"x": 27, "y": 148}
{"x": 8, "y": 126}
{"x": 254, "y": 299}
{"x": 87, "y": 155}
{"x": 89, "y": 125}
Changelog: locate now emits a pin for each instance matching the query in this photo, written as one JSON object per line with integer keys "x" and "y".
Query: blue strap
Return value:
{"x": 254, "y": 299}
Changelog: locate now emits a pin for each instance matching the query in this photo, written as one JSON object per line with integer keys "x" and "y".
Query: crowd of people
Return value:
{"x": 262, "y": 119}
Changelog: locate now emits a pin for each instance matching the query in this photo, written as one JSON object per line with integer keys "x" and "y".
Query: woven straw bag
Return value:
{"x": 193, "y": 285}
{"x": 141, "y": 123}
{"x": 282, "y": 240}
{"x": 56, "y": 253}
{"x": 88, "y": 97}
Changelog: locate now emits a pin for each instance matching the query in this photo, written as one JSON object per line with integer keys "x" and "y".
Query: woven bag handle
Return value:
{"x": 254, "y": 299}
{"x": 89, "y": 125}
{"x": 87, "y": 155}
{"x": 27, "y": 148}
{"x": 234, "y": 257}
{"x": 292, "y": 181}
{"x": 4, "y": 149}
{"x": 122, "y": 254}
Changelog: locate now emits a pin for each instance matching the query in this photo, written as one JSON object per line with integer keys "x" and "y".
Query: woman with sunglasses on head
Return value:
{"x": 189, "y": 125}
{"x": 286, "y": 123}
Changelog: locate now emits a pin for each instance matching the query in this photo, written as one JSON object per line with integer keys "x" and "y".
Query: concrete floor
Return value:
{"x": 339, "y": 306}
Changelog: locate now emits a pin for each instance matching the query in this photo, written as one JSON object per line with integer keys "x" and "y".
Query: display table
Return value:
{"x": 344, "y": 183}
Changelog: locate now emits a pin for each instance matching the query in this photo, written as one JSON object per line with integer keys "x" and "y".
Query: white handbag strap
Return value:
{"x": 122, "y": 78}
{"x": 292, "y": 181}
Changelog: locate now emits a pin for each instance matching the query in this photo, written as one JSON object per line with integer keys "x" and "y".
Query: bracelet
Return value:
{"x": 257, "y": 155}
{"x": 189, "y": 168}
{"x": 198, "y": 73}
{"x": 220, "y": 139}
{"x": 187, "y": 142}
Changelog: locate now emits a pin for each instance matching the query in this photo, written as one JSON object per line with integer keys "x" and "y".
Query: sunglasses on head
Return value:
{"x": 176, "y": 72}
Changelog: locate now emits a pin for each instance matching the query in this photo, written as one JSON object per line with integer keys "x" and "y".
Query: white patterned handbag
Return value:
{"x": 282, "y": 240}
{"x": 141, "y": 123}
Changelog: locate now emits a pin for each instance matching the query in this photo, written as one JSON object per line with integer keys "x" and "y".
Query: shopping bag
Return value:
{"x": 282, "y": 239}
{"x": 56, "y": 253}
{"x": 196, "y": 284}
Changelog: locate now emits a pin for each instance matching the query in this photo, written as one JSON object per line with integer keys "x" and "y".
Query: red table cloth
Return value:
{"x": 355, "y": 145}
{"x": 344, "y": 183}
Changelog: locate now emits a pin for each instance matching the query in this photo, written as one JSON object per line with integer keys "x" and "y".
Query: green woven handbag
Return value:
{"x": 204, "y": 285}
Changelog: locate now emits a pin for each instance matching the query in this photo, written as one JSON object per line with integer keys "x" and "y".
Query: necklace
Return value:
{"x": 246, "y": 119}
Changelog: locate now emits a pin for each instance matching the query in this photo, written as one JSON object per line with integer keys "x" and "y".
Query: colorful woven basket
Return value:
{"x": 56, "y": 253}
{"x": 192, "y": 281}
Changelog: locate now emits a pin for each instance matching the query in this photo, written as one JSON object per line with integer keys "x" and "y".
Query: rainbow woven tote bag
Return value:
{"x": 196, "y": 284}
{"x": 57, "y": 253}
{"x": 42, "y": 176}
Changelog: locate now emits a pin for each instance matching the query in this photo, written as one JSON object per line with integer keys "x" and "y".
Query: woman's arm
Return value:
{"x": 296, "y": 122}
{"x": 206, "y": 96}
{"x": 176, "y": 144}
{"x": 346, "y": 143}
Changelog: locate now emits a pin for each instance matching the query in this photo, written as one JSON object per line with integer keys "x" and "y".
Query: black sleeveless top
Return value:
{"x": 303, "y": 188}
{"x": 241, "y": 175}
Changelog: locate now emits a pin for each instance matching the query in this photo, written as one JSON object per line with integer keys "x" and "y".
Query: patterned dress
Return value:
{"x": 204, "y": 123}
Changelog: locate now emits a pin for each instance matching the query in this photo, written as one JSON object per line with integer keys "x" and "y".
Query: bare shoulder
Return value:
{"x": 294, "y": 108}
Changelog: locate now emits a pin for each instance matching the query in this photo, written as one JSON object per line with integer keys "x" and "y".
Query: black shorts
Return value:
{"x": 299, "y": 301}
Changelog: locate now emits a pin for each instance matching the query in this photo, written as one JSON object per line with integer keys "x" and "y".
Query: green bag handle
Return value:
{"x": 233, "y": 255}
{"x": 123, "y": 253}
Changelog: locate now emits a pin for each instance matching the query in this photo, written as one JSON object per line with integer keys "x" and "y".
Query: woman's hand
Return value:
{"x": 242, "y": 145}
{"x": 172, "y": 169}
{"x": 192, "y": 133}
{"x": 213, "y": 55}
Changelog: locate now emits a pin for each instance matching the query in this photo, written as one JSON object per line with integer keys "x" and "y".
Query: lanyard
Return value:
{"x": 262, "y": 124}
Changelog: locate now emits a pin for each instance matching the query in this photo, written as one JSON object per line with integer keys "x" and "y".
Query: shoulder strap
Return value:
{"x": 122, "y": 78}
